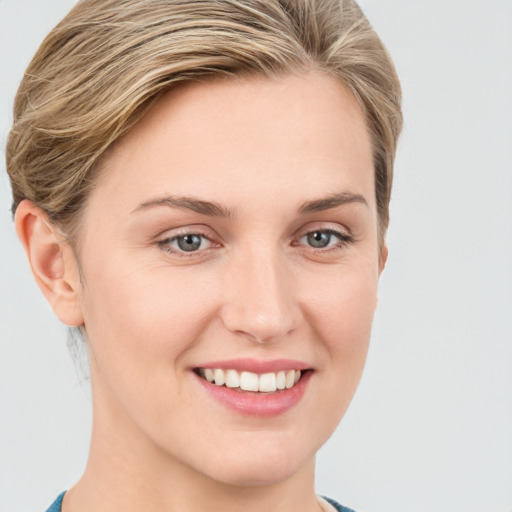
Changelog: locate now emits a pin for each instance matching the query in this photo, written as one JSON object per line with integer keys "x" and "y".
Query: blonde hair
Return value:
{"x": 102, "y": 67}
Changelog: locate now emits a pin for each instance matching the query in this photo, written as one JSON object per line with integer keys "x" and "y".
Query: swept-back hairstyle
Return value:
{"x": 102, "y": 67}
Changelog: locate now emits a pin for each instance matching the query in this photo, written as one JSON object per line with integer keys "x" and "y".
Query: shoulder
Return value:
{"x": 336, "y": 505}
{"x": 57, "y": 504}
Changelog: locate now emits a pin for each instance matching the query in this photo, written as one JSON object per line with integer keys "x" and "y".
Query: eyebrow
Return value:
{"x": 217, "y": 210}
{"x": 188, "y": 203}
{"x": 332, "y": 201}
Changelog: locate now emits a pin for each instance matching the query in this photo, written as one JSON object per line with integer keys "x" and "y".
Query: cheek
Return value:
{"x": 141, "y": 326}
{"x": 145, "y": 318}
{"x": 343, "y": 303}
{"x": 341, "y": 309}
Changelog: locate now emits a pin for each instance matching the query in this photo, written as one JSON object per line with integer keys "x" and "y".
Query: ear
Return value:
{"x": 383, "y": 256}
{"x": 52, "y": 261}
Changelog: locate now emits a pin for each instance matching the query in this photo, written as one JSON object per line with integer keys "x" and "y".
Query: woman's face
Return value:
{"x": 233, "y": 233}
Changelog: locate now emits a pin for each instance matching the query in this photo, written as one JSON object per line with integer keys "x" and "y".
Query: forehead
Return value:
{"x": 230, "y": 138}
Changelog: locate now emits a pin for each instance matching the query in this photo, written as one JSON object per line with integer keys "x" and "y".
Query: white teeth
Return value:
{"x": 267, "y": 383}
{"x": 232, "y": 379}
{"x": 219, "y": 376}
{"x": 281, "y": 380}
{"x": 290, "y": 378}
{"x": 249, "y": 381}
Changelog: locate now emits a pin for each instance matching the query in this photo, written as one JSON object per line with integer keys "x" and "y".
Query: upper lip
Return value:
{"x": 256, "y": 365}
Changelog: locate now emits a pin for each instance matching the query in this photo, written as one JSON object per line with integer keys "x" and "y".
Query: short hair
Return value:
{"x": 106, "y": 63}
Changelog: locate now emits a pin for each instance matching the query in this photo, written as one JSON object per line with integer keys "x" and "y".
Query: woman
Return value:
{"x": 202, "y": 188}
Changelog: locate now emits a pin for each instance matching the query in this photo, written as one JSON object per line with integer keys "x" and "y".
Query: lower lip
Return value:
{"x": 258, "y": 404}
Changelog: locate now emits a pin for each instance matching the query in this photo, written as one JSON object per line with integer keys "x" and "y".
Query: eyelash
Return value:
{"x": 344, "y": 239}
{"x": 165, "y": 244}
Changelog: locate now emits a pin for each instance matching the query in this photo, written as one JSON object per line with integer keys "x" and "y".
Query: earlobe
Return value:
{"x": 383, "y": 257}
{"x": 52, "y": 261}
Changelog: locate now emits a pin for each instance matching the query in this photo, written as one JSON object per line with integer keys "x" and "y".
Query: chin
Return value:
{"x": 256, "y": 475}
{"x": 264, "y": 466}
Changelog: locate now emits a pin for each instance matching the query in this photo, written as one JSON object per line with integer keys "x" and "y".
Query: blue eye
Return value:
{"x": 189, "y": 242}
{"x": 319, "y": 239}
{"x": 324, "y": 238}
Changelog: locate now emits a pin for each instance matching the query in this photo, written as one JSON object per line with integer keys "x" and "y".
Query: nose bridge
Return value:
{"x": 261, "y": 301}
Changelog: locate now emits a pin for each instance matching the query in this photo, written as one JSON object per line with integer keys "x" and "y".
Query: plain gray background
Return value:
{"x": 430, "y": 429}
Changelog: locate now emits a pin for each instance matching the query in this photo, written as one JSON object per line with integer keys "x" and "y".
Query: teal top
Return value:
{"x": 57, "y": 505}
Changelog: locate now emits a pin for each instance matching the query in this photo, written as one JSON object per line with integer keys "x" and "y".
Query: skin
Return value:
{"x": 255, "y": 288}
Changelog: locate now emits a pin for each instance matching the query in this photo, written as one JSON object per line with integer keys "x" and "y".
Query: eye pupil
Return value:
{"x": 319, "y": 239}
{"x": 189, "y": 242}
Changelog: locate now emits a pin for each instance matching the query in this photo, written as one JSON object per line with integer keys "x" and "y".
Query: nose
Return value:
{"x": 260, "y": 298}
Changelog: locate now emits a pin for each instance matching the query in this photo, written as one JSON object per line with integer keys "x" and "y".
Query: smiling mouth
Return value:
{"x": 248, "y": 381}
